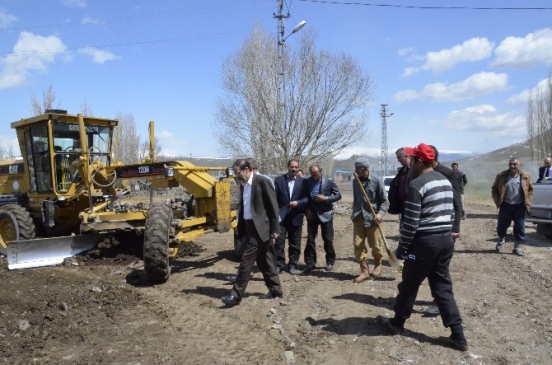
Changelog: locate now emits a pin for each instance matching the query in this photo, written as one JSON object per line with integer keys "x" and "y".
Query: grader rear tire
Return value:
{"x": 15, "y": 224}
{"x": 156, "y": 242}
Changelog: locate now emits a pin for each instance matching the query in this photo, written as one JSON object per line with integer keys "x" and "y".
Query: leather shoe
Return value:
{"x": 231, "y": 278}
{"x": 308, "y": 269}
{"x": 329, "y": 267}
{"x": 390, "y": 327}
{"x": 271, "y": 295}
{"x": 230, "y": 300}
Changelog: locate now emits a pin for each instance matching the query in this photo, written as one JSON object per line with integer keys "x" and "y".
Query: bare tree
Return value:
{"x": 539, "y": 121}
{"x": 7, "y": 152}
{"x": 127, "y": 140}
{"x": 325, "y": 100}
{"x": 48, "y": 99}
{"x": 86, "y": 108}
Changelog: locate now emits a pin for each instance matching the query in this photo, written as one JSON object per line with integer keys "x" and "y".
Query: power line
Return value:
{"x": 167, "y": 40}
{"x": 131, "y": 18}
{"x": 425, "y": 7}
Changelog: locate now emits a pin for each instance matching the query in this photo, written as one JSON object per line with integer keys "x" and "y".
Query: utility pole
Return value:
{"x": 281, "y": 112}
{"x": 281, "y": 108}
{"x": 384, "y": 148}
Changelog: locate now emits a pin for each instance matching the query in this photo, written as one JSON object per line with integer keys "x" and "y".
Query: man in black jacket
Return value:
{"x": 258, "y": 224}
{"x": 321, "y": 192}
{"x": 291, "y": 200}
{"x": 546, "y": 170}
{"x": 456, "y": 191}
{"x": 397, "y": 189}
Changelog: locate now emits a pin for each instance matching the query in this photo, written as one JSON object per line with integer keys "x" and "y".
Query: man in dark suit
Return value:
{"x": 321, "y": 192}
{"x": 546, "y": 170}
{"x": 291, "y": 201}
{"x": 258, "y": 222}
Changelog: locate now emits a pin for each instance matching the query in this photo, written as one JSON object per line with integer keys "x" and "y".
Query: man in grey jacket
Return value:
{"x": 321, "y": 192}
{"x": 365, "y": 224}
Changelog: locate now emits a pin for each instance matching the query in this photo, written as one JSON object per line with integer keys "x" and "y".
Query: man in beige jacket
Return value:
{"x": 512, "y": 193}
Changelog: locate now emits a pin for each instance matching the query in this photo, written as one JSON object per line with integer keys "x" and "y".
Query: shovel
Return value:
{"x": 392, "y": 258}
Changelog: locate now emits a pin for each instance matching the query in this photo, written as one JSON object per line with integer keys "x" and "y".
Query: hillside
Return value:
{"x": 480, "y": 169}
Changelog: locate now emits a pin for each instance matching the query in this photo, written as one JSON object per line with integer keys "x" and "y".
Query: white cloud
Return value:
{"x": 89, "y": 20}
{"x": 483, "y": 83}
{"x": 525, "y": 53}
{"x": 485, "y": 118}
{"x": 99, "y": 56}
{"x": 6, "y": 19}
{"x": 523, "y": 97}
{"x": 30, "y": 53}
{"x": 405, "y": 51}
{"x": 410, "y": 71}
{"x": 165, "y": 135}
{"x": 73, "y": 3}
{"x": 471, "y": 50}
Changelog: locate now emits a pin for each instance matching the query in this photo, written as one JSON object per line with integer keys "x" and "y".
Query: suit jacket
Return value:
{"x": 264, "y": 209}
{"x": 329, "y": 189}
{"x": 542, "y": 169}
{"x": 281, "y": 186}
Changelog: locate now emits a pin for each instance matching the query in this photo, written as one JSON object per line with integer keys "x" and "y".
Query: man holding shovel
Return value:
{"x": 366, "y": 219}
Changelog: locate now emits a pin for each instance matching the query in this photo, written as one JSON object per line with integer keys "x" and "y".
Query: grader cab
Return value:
{"x": 64, "y": 194}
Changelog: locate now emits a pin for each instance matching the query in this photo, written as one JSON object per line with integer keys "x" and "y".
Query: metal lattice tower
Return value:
{"x": 384, "y": 148}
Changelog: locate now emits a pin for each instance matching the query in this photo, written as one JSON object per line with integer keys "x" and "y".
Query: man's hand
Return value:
{"x": 455, "y": 235}
{"x": 377, "y": 219}
{"x": 400, "y": 253}
{"x": 321, "y": 198}
{"x": 293, "y": 204}
{"x": 275, "y": 235}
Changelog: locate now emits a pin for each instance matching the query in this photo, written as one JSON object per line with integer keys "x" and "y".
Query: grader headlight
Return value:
{"x": 169, "y": 173}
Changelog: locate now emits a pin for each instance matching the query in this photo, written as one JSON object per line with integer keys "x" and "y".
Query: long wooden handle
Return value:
{"x": 392, "y": 258}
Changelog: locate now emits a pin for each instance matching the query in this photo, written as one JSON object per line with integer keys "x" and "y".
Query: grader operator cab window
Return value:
{"x": 67, "y": 148}
{"x": 38, "y": 158}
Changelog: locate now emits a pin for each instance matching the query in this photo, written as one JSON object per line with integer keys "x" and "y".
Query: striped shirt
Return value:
{"x": 428, "y": 207}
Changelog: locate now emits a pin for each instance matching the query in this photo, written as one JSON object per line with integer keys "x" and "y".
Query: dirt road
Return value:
{"x": 96, "y": 310}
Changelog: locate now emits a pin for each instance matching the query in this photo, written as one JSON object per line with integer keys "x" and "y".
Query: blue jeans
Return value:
{"x": 508, "y": 213}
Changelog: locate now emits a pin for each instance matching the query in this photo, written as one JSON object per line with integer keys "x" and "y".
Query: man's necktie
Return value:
{"x": 546, "y": 173}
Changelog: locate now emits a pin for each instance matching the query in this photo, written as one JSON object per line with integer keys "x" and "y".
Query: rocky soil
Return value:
{"x": 98, "y": 308}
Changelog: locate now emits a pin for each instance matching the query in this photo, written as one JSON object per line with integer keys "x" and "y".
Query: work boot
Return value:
{"x": 377, "y": 268}
{"x": 364, "y": 275}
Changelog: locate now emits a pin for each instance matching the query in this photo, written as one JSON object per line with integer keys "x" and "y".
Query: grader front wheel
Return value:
{"x": 156, "y": 242}
{"x": 15, "y": 224}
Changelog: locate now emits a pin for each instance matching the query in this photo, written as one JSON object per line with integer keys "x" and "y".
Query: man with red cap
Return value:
{"x": 426, "y": 246}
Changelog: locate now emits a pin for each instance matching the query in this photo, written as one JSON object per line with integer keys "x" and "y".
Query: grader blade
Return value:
{"x": 47, "y": 251}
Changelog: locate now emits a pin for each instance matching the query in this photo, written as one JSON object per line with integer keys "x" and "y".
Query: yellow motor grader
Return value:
{"x": 64, "y": 194}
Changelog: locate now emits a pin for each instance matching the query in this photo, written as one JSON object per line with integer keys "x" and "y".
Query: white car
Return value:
{"x": 387, "y": 182}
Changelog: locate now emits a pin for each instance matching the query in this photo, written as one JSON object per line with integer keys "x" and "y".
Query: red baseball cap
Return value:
{"x": 422, "y": 151}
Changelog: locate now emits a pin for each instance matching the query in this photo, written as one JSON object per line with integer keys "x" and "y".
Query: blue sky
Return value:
{"x": 454, "y": 78}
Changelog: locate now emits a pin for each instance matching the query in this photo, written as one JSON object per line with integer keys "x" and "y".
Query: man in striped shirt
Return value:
{"x": 427, "y": 246}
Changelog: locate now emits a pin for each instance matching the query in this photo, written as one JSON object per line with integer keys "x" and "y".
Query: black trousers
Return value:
{"x": 327, "y": 236}
{"x": 432, "y": 254}
{"x": 293, "y": 235}
{"x": 264, "y": 255}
